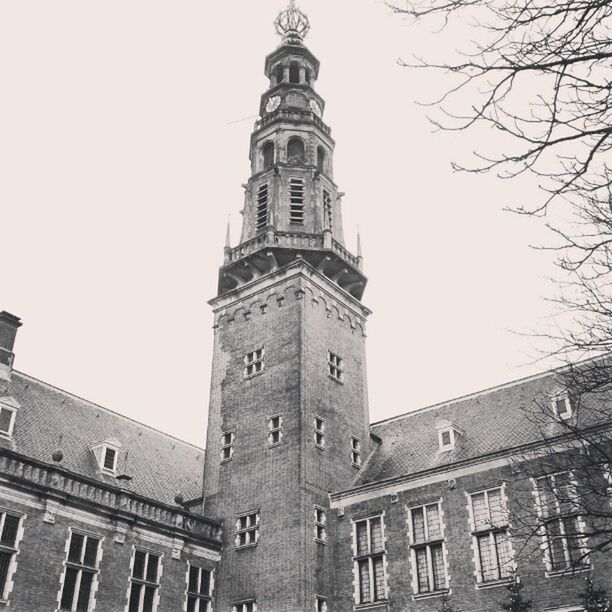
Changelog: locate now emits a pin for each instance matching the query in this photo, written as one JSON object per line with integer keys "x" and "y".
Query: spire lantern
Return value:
{"x": 292, "y": 25}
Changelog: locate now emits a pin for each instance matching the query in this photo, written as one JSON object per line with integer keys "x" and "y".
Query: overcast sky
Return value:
{"x": 124, "y": 133}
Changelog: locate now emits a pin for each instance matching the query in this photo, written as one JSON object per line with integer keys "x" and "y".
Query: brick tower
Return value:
{"x": 288, "y": 417}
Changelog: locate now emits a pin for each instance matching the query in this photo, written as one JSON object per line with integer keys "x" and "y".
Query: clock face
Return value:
{"x": 316, "y": 108}
{"x": 272, "y": 104}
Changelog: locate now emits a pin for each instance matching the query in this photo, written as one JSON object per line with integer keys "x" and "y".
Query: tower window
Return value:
{"x": 199, "y": 589}
{"x": 294, "y": 72}
{"x": 275, "y": 427}
{"x": 319, "y": 432}
{"x": 355, "y": 451}
{"x": 296, "y": 151}
{"x": 247, "y": 529}
{"x": 296, "y": 200}
{"x": 335, "y": 366}
{"x": 254, "y": 363}
{"x": 321, "y": 604}
{"x": 320, "y": 520}
{"x": 370, "y": 560}
{"x": 262, "y": 206}
{"x": 227, "y": 445}
{"x": 145, "y": 582}
{"x": 267, "y": 153}
{"x": 321, "y": 156}
{"x": 327, "y": 210}
{"x": 280, "y": 73}
{"x": 80, "y": 573}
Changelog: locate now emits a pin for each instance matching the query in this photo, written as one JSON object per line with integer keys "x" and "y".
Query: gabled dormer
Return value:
{"x": 107, "y": 455}
{"x": 448, "y": 435}
{"x": 8, "y": 413}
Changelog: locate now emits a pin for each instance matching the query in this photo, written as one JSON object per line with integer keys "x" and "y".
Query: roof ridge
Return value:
{"x": 100, "y": 407}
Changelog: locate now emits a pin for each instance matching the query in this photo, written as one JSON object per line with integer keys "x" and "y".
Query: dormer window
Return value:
{"x": 563, "y": 406}
{"x": 448, "y": 435}
{"x": 110, "y": 459}
{"x": 107, "y": 455}
{"x": 8, "y": 412}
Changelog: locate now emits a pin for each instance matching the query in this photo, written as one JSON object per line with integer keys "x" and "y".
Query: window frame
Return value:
{"x": 200, "y": 597}
{"x": 13, "y": 551}
{"x": 319, "y": 441}
{"x": 427, "y": 544}
{"x": 297, "y": 200}
{"x": 247, "y": 530}
{"x": 13, "y": 411}
{"x": 105, "y": 449}
{"x": 328, "y": 211}
{"x": 335, "y": 366}
{"x": 275, "y": 430}
{"x": 452, "y": 435}
{"x": 254, "y": 359}
{"x": 228, "y": 446}
{"x": 320, "y": 524}
{"x": 240, "y": 606}
{"x": 80, "y": 568}
{"x": 569, "y": 403}
{"x": 356, "y": 459}
{"x": 262, "y": 205}
{"x": 370, "y": 557}
{"x": 320, "y": 603}
{"x": 492, "y": 531}
{"x": 144, "y": 583}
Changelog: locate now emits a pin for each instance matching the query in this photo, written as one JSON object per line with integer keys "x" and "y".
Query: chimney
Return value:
{"x": 9, "y": 324}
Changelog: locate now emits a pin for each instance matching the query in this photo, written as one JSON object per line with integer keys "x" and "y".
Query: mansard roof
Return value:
{"x": 49, "y": 420}
{"x": 495, "y": 420}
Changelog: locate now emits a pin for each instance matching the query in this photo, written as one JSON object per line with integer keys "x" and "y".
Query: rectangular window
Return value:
{"x": 199, "y": 589}
{"x": 319, "y": 432}
{"x": 328, "y": 212}
{"x": 564, "y": 406}
{"x": 275, "y": 427}
{"x": 296, "y": 200}
{"x": 254, "y": 363}
{"x": 80, "y": 573}
{"x": 247, "y": 606}
{"x": 335, "y": 366}
{"x": 7, "y": 421}
{"x": 110, "y": 459}
{"x": 320, "y": 520}
{"x": 321, "y": 604}
{"x": 427, "y": 549}
{"x": 9, "y": 529}
{"x": 262, "y": 206}
{"x": 562, "y": 529}
{"x": 144, "y": 582}
{"x": 247, "y": 529}
{"x": 491, "y": 536}
{"x": 355, "y": 451}
{"x": 227, "y": 445}
{"x": 369, "y": 560}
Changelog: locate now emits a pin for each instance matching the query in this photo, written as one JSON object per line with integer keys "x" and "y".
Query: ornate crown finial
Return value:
{"x": 292, "y": 25}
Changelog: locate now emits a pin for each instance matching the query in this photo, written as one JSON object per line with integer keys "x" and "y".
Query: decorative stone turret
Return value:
{"x": 9, "y": 324}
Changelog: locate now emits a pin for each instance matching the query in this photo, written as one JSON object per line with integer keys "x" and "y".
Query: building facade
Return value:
{"x": 301, "y": 504}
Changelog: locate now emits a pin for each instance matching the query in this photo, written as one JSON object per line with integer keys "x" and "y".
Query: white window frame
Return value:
{"x": 227, "y": 446}
{"x": 427, "y": 544}
{"x": 568, "y": 402}
{"x": 494, "y": 529}
{"x": 13, "y": 551}
{"x": 544, "y": 533}
{"x": 254, "y": 362}
{"x": 5, "y": 406}
{"x": 320, "y": 525}
{"x": 243, "y": 606}
{"x": 251, "y": 529}
{"x": 452, "y": 434}
{"x": 320, "y": 603}
{"x": 200, "y": 598}
{"x": 356, "y": 452}
{"x": 105, "y": 449}
{"x": 370, "y": 557}
{"x": 273, "y": 429}
{"x": 319, "y": 432}
{"x": 143, "y": 581}
{"x": 80, "y": 568}
{"x": 335, "y": 366}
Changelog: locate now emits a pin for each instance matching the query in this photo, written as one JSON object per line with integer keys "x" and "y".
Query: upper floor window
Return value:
{"x": 321, "y": 158}
{"x": 294, "y": 72}
{"x": 267, "y": 154}
{"x": 144, "y": 589}
{"x": 491, "y": 537}
{"x": 262, "y": 211}
{"x": 319, "y": 431}
{"x": 80, "y": 573}
{"x": 247, "y": 606}
{"x": 369, "y": 560}
{"x": 563, "y": 406}
{"x": 563, "y": 530}
{"x": 110, "y": 459}
{"x": 7, "y": 417}
{"x": 328, "y": 212}
{"x": 107, "y": 455}
{"x": 227, "y": 445}
{"x": 9, "y": 543}
{"x": 275, "y": 428}
{"x": 427, "y": 549}
{"x": 320, "y": 520}
{"x": 355, "y": 451}
{"x": 296, "y": 151}
{"x": 254, "y": 362}
{"x": 320, "y": 604}
{"x": 247, "y": 529}
{"x": 335, "y": 366}
{"x": 296, "y": 201}
{"x": 199, "y": 589}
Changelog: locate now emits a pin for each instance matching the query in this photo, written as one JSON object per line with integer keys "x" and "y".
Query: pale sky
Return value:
{"x": 124, "y": 133}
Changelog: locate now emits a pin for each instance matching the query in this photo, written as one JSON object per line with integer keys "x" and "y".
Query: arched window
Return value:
{"x": 296, "y": 151}
{"x": 267, "y": 154}
{"x": 294, "y": 73}
{"x": 321, "y": 157}
{"x": 307, "y": 76}
{"x": 280, "y": 73}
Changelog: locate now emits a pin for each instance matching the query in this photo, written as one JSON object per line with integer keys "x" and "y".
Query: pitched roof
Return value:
{"x": 49, "y": 419}
{"x": 497, "y": 419}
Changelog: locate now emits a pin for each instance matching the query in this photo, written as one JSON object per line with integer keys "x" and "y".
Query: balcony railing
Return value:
{"x": 292, "y": 115}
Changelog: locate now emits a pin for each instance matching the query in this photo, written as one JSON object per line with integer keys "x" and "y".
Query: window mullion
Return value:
{"x": 77, "y": 588}
{"x": 430, "y": 574}
{"x": 371, "y": 574}
{"x": 2, "y": 521}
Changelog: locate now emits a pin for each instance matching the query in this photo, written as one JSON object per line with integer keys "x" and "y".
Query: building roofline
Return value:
{"x": 108, "y": 410}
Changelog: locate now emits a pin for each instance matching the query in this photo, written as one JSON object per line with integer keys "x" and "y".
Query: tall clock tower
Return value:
{"x": 288, "y": 416}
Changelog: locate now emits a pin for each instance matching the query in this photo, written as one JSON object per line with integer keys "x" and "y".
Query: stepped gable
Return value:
{"x": 49, "y": 419}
